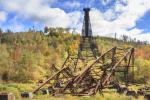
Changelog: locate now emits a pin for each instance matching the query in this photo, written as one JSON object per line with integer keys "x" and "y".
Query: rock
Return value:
{"x": 147, "y": 96}
{"x": 45, "y": 91}
{"x": 7, "y": 96}
{"x": 131, "y": 93}
{"x": 51, "y": 90}
{"x": 140, "y": 92}
{"x": 27, "y": 95}
{"x": 124, "y": 90}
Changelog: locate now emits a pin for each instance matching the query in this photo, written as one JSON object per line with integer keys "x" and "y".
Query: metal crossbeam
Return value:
{"x": 89, "y": 71}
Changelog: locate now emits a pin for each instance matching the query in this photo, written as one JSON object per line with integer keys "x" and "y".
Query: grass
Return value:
{"x": 105, "y": 96}
{"x": 17, "y": 88}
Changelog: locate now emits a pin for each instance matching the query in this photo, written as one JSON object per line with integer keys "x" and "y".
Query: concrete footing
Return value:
{"x": 45, "y": 91}
{"x": 7, "y": 96}
{"x": 147, "y": 96}
{"x": 27, "y": 95}
{"x": 131, "y": 93}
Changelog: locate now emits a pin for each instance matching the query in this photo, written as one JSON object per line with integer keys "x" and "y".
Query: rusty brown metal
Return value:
{"x": 89, "y": 71}
{"x": 49, "y": 79}
{"x": 86, "y": 83}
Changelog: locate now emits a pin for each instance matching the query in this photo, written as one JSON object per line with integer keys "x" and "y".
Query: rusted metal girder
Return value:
{"x": 83, "y": 74}
{"x": 49, "y": 79}
{"x": 85, "y": 83}
{"x": 104, "y": 78}
{"x": 103, "y": 83}
{"x": 89, "y": 71}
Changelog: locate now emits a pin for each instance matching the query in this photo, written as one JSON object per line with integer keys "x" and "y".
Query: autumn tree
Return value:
{"x": 1, "y": 32}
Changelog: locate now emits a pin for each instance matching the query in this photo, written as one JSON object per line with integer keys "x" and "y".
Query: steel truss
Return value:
{"x": 90, "y": 71}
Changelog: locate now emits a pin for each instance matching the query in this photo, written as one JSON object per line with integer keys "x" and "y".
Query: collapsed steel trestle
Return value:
{"x": 90, "y": 71}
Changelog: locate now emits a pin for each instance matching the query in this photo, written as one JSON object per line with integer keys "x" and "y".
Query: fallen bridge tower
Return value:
{"x": 90, "y": 71}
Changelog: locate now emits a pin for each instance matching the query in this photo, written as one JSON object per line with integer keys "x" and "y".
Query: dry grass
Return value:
{"x": 108, "y": 94}
{"x": 105, "y": 96}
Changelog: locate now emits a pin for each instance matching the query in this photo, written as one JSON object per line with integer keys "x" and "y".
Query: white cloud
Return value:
{"x": 105, "y": 2}
{"x": 144, "y": 37}
{"x": 125, "y": 20}
{"x": 13, "y": 25}
{"x": 75, "y": 20}
{"x": 109, "y": 13}
{"x": 3, "y": 16}
{"x": 72, "y": 4}
{"x": 37, "y": 11}
{"x": 117, "y": 19}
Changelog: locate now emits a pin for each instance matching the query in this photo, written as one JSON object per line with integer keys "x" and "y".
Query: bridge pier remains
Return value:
{"x": 7, "y": 96}
{"x": 89, "y": 71}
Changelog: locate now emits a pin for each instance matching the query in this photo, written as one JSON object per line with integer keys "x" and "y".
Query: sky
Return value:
{"x": 129, "y": 17}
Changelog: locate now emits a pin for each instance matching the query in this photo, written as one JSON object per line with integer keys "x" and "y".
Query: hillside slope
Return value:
{"x": 27, "y": 56}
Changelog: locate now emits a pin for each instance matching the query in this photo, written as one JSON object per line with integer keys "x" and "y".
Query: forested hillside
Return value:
{"x": 26, "y": 57}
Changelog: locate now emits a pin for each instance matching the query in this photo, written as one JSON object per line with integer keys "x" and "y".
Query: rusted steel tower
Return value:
{"x": 88, "y": 49}
{"x": 86, "y": 30}
{"x": 87, "y": 39}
